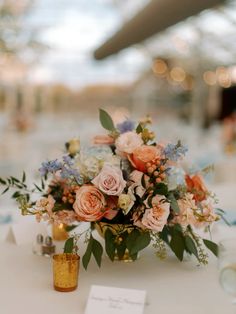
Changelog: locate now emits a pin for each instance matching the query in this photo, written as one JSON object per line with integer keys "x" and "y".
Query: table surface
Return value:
{"x": 172, "y": 287}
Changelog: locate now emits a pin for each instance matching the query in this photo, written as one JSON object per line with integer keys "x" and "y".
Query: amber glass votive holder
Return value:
{"x": 59, "y": 232}
{"x": 65, "y": 271}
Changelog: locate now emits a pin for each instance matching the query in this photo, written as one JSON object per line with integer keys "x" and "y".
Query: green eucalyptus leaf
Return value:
{"x": 106, "y": 120}
{"x": 69, "y": 245}
{"x": 173, "y": 203}
{"x": 70, "y": 228}
{"x": 5, "y": 190}
{"x": 160, "y": 189}
{"x": 37, "y": 187}
{"x": 134, "y": 256}
{"x": 137, "y": 241}
{"x": 3, "y": 182}
{"x": 139, "y": 128}
{"x": 213, "y": 247}
{"x": 16, "y": 194}
{"x": 23, "y": 177}
{"x": 87, "y": 256}
{"x": 110, "y": 244}
{"x": 121, "y": 247}
{"x": 97, "y": 251}
{"x": 177, "y": 244}
{"x": 191, "y": 246}
{"x": 164, "y": 235}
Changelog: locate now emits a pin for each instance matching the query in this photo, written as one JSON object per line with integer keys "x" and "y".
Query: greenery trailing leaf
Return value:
{"x": 97, "y": 251}
{"x": 137, "y": 241}
{"x": 69, "y": 245}
{"x": 139, "y": 128}
{"x": 177, "y": 244}
{"x": 173, "y": 203}
{"x": 106, "y": 120}
{"x": 190, "y": 246}
{"x": 110, "y": 244}
{"x": 87, "y": 256}
{"x": 160, "y": 189}
{"x": 213, "y": 247}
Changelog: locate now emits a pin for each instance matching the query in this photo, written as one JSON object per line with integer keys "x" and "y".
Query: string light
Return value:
{"x": 178, "y": 74}
{"x": 159, "y": 67}
{"x": 210, "y": 78}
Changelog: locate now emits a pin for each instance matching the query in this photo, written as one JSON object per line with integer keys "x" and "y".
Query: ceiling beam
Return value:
{"x": 154, "y": 18}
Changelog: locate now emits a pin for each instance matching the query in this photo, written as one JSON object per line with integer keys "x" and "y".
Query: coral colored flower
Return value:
{"x": 110, "y": 180}
{"x": 90, "y": 203}
{"x": 103, "y": 139}
{"x": 191, "y": 214}
{"x": 45, "y": 204}
{"x": 128, "y": 142}
{"x": 155, "y": 218}
{"x": 196, "y": 186}
{"x": 142, "y": 155}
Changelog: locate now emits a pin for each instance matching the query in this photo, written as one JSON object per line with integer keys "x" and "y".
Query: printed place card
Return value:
{"x": 109, "y": 300}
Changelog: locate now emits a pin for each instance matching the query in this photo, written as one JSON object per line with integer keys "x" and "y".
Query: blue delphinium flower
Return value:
{"x": 50, "y": 167}
{"x": 68, "y": 160}
{"x": 68, "y": 172}
{"x": 126, "y": 126}
{"x": 174, "y": 152}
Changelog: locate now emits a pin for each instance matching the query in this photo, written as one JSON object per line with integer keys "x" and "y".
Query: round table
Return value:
{"x": 172, "y": 287}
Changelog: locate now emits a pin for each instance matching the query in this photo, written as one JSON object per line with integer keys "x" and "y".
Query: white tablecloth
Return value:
{"x": 172, "y": 287}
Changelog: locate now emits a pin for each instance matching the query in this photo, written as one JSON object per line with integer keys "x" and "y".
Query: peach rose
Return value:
{"x": 196, "y": 186}
{"x": 103, "y": 139}
{"x": 128, "y": 142}
{"x": 142, "y": 155}
{"x": 155, "y": 218}
{"x": 110, "y": 180}
{"x": 89, "y": 204}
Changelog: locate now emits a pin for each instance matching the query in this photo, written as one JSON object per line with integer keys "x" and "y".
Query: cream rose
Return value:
{"x": 89, "y": 204}
{"x": 128, "y": 142}
{"x": 155, "y": 218}
{"x": 126, "y": 202}
{"x": 110, "y": 180}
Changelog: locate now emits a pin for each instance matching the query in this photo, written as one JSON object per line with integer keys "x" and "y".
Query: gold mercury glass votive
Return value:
{"x": 59, "y": 232}
{"x": 65, "y": 271}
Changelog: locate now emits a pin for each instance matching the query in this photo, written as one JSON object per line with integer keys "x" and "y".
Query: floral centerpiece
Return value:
{"x": 128, "y": 185}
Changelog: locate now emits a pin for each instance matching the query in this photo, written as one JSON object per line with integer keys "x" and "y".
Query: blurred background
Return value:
{"x": 62, "y": 60}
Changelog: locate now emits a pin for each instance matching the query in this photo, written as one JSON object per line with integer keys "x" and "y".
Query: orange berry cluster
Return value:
{"x": 156, "y": 170}
{"x": 69, "y": 194}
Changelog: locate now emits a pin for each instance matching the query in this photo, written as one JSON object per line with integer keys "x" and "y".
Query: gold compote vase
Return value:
{"x": 118, "y": 233}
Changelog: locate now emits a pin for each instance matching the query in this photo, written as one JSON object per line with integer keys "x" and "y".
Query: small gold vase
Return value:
{"x": 116, "y": 229}
{"x": 59, "y": 232}
{"x": 65, "y": 272}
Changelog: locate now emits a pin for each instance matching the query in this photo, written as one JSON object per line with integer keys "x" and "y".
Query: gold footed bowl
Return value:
{"x": 117, "y": 230}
